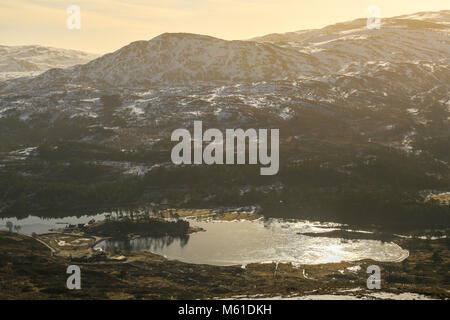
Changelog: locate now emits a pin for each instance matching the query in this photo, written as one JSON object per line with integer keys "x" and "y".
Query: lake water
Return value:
{"x": 239, "y": 242}
{"x": 244, "y": 242}
{"x": 43, "y": 225}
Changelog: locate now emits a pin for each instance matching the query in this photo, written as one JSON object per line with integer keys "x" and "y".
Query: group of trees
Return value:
{"x": 11, "y": 226}
{"x": 144, "y": 227}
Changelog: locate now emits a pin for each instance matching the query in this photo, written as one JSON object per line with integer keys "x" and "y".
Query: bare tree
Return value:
{"x": 17, "y": 228}
{"x": 10, "y": 226}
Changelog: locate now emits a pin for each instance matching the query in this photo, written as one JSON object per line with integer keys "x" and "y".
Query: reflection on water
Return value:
{"x": 144, "y": 243}
{"x": 231, "y": 243}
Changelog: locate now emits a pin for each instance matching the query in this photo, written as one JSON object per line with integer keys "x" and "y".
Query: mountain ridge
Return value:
{"x": 342, "y": 49}
{"x": 28, "y": 58}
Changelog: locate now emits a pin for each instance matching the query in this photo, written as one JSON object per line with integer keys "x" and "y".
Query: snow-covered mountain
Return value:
{"x": 405, "y": 39}
{"x": 186, "y": 58}
{"x": 38, "y": 58}
{"x": 408, "y": 53}
{"x": 407, "y": 46}
{"x": 182, "y": 58}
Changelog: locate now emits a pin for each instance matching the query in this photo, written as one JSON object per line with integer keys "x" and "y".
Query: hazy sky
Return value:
{"x": 107, "y": 25}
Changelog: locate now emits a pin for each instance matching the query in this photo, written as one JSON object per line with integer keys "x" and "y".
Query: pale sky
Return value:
{"x": 107, "y": 25}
